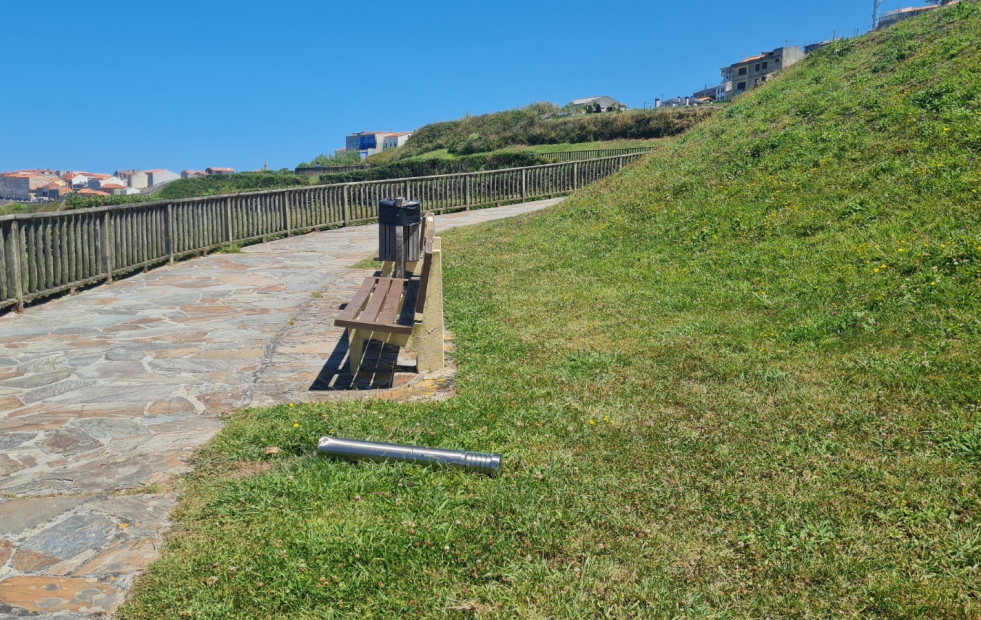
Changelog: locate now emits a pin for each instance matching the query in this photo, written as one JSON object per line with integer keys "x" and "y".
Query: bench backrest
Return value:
{"x": 427, "y": 236}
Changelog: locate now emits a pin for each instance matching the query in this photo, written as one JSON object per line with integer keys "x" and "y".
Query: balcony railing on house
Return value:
{"x": 45, "y": 254}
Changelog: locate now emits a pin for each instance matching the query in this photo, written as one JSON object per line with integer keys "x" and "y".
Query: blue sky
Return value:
{"x": 182, "y": 84}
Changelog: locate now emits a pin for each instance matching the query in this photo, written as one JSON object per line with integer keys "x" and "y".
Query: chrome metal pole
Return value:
{"x": 354, "y": 450}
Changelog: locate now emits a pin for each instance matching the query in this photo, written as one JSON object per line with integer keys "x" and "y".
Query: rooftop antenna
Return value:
{"x": 875, "y": 13}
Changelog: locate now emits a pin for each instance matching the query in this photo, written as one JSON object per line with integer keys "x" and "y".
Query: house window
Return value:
{"x": 742, "y": 70}
{"x": 741, "y": 86}
{"x": 757, "y": 67}
{"x": 765, "y": 65}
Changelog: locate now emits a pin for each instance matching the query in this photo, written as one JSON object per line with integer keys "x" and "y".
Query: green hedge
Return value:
{"x": 534, "y": 126}
{"x": 428, "y": 167}
{"x": 229, "y": 184}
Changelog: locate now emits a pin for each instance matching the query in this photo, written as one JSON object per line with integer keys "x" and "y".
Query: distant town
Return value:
{"x": 49, "y": 185}
{"x": 42, "y": 185}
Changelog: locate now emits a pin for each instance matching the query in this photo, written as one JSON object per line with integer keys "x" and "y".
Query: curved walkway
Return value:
{"x": 104, "y": 396}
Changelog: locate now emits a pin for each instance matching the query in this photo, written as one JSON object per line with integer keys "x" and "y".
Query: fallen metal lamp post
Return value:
{"x": 354, "y": 450}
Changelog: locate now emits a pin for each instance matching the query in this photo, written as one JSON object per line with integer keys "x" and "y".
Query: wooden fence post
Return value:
{"x": 108, "y": 249}
{"x": 575, "y": 176}
{"x": 287, "y": 224}
{"x": 170, "y": 233}
{"x": 406, "y": 192}
{"x": 229, "y": 229}
{"x": 524, "y": 184}
{"x": 466, "y": 191}
{"x": 14, "y": 268}
{"x": 346, "y": 213}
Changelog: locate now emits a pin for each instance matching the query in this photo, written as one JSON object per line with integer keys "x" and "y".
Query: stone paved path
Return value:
{"x": 104, "y": 396}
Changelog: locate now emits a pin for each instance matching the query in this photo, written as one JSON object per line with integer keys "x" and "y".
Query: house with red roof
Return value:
{"x": 114, "y": 189}
{"x": 98, "y": 181}
{"x": 752, "y": 71}
{"x": 54, "y": 190}
{"x": 213, "y": 171}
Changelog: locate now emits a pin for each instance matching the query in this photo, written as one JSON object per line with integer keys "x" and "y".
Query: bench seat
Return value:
{"x": 379, "y": 305}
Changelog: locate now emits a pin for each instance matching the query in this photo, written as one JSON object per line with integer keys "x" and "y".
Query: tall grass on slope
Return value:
{"x": 739, "y": 379}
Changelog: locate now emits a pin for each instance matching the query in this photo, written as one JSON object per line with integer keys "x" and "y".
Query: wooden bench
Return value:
{"x": 406, "y": 312}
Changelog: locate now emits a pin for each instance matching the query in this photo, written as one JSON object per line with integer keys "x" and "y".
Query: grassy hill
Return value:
{"x": 538, "y": 125}
{"x": 741, "y": 378}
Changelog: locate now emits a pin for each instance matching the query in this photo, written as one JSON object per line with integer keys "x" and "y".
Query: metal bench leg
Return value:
{"x": 355, "y": 345}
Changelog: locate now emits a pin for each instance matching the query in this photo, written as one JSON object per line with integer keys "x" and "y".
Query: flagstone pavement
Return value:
{"x": 104, "y": 395}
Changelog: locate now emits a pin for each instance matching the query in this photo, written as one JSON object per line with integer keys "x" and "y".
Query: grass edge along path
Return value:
{"x": 740, "y": 378}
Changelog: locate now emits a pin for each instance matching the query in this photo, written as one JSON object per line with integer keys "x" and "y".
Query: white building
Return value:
{"x": 723, "y": 91}
{"x": 15, "y": 186}
{"x": 899, "y": 15}
{"x": 76, "y": 180}
{"x": 366, "y": 142}
{"x": 135, "y": 179}
{"x": 158, "y": 176}
{"x": 24, "y": 184}
{"x": 104, "y": 179}
{"x": 750, "y": 72}
{"x": 395, "y": 140}
{"x": 605, "y": 103}
{"x": 94, "y": 179}
{"x": 217, "y": 171}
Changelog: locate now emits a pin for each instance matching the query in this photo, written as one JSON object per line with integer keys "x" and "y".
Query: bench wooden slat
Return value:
{"x": 357, "y": 303}
{"x": 371, "y": 309}
{"x": 381, "y": 312}
{"x": 375, "y": 327}
{"x": 391, "y": 306}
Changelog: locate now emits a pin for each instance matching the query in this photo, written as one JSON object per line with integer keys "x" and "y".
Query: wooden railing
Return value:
{"x": 45, "y": 254}
{"x": 593, "y": 154}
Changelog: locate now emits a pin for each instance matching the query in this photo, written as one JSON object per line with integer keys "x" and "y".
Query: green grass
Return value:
{"x": 14, "y": 208}
{"x": 739, "y": 379}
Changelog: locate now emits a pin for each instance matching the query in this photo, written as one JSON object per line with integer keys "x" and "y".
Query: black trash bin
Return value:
{"x": 393, "y": 212}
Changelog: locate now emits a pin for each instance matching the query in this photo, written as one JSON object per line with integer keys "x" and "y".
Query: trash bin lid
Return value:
{"x": 409, "y": 213}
